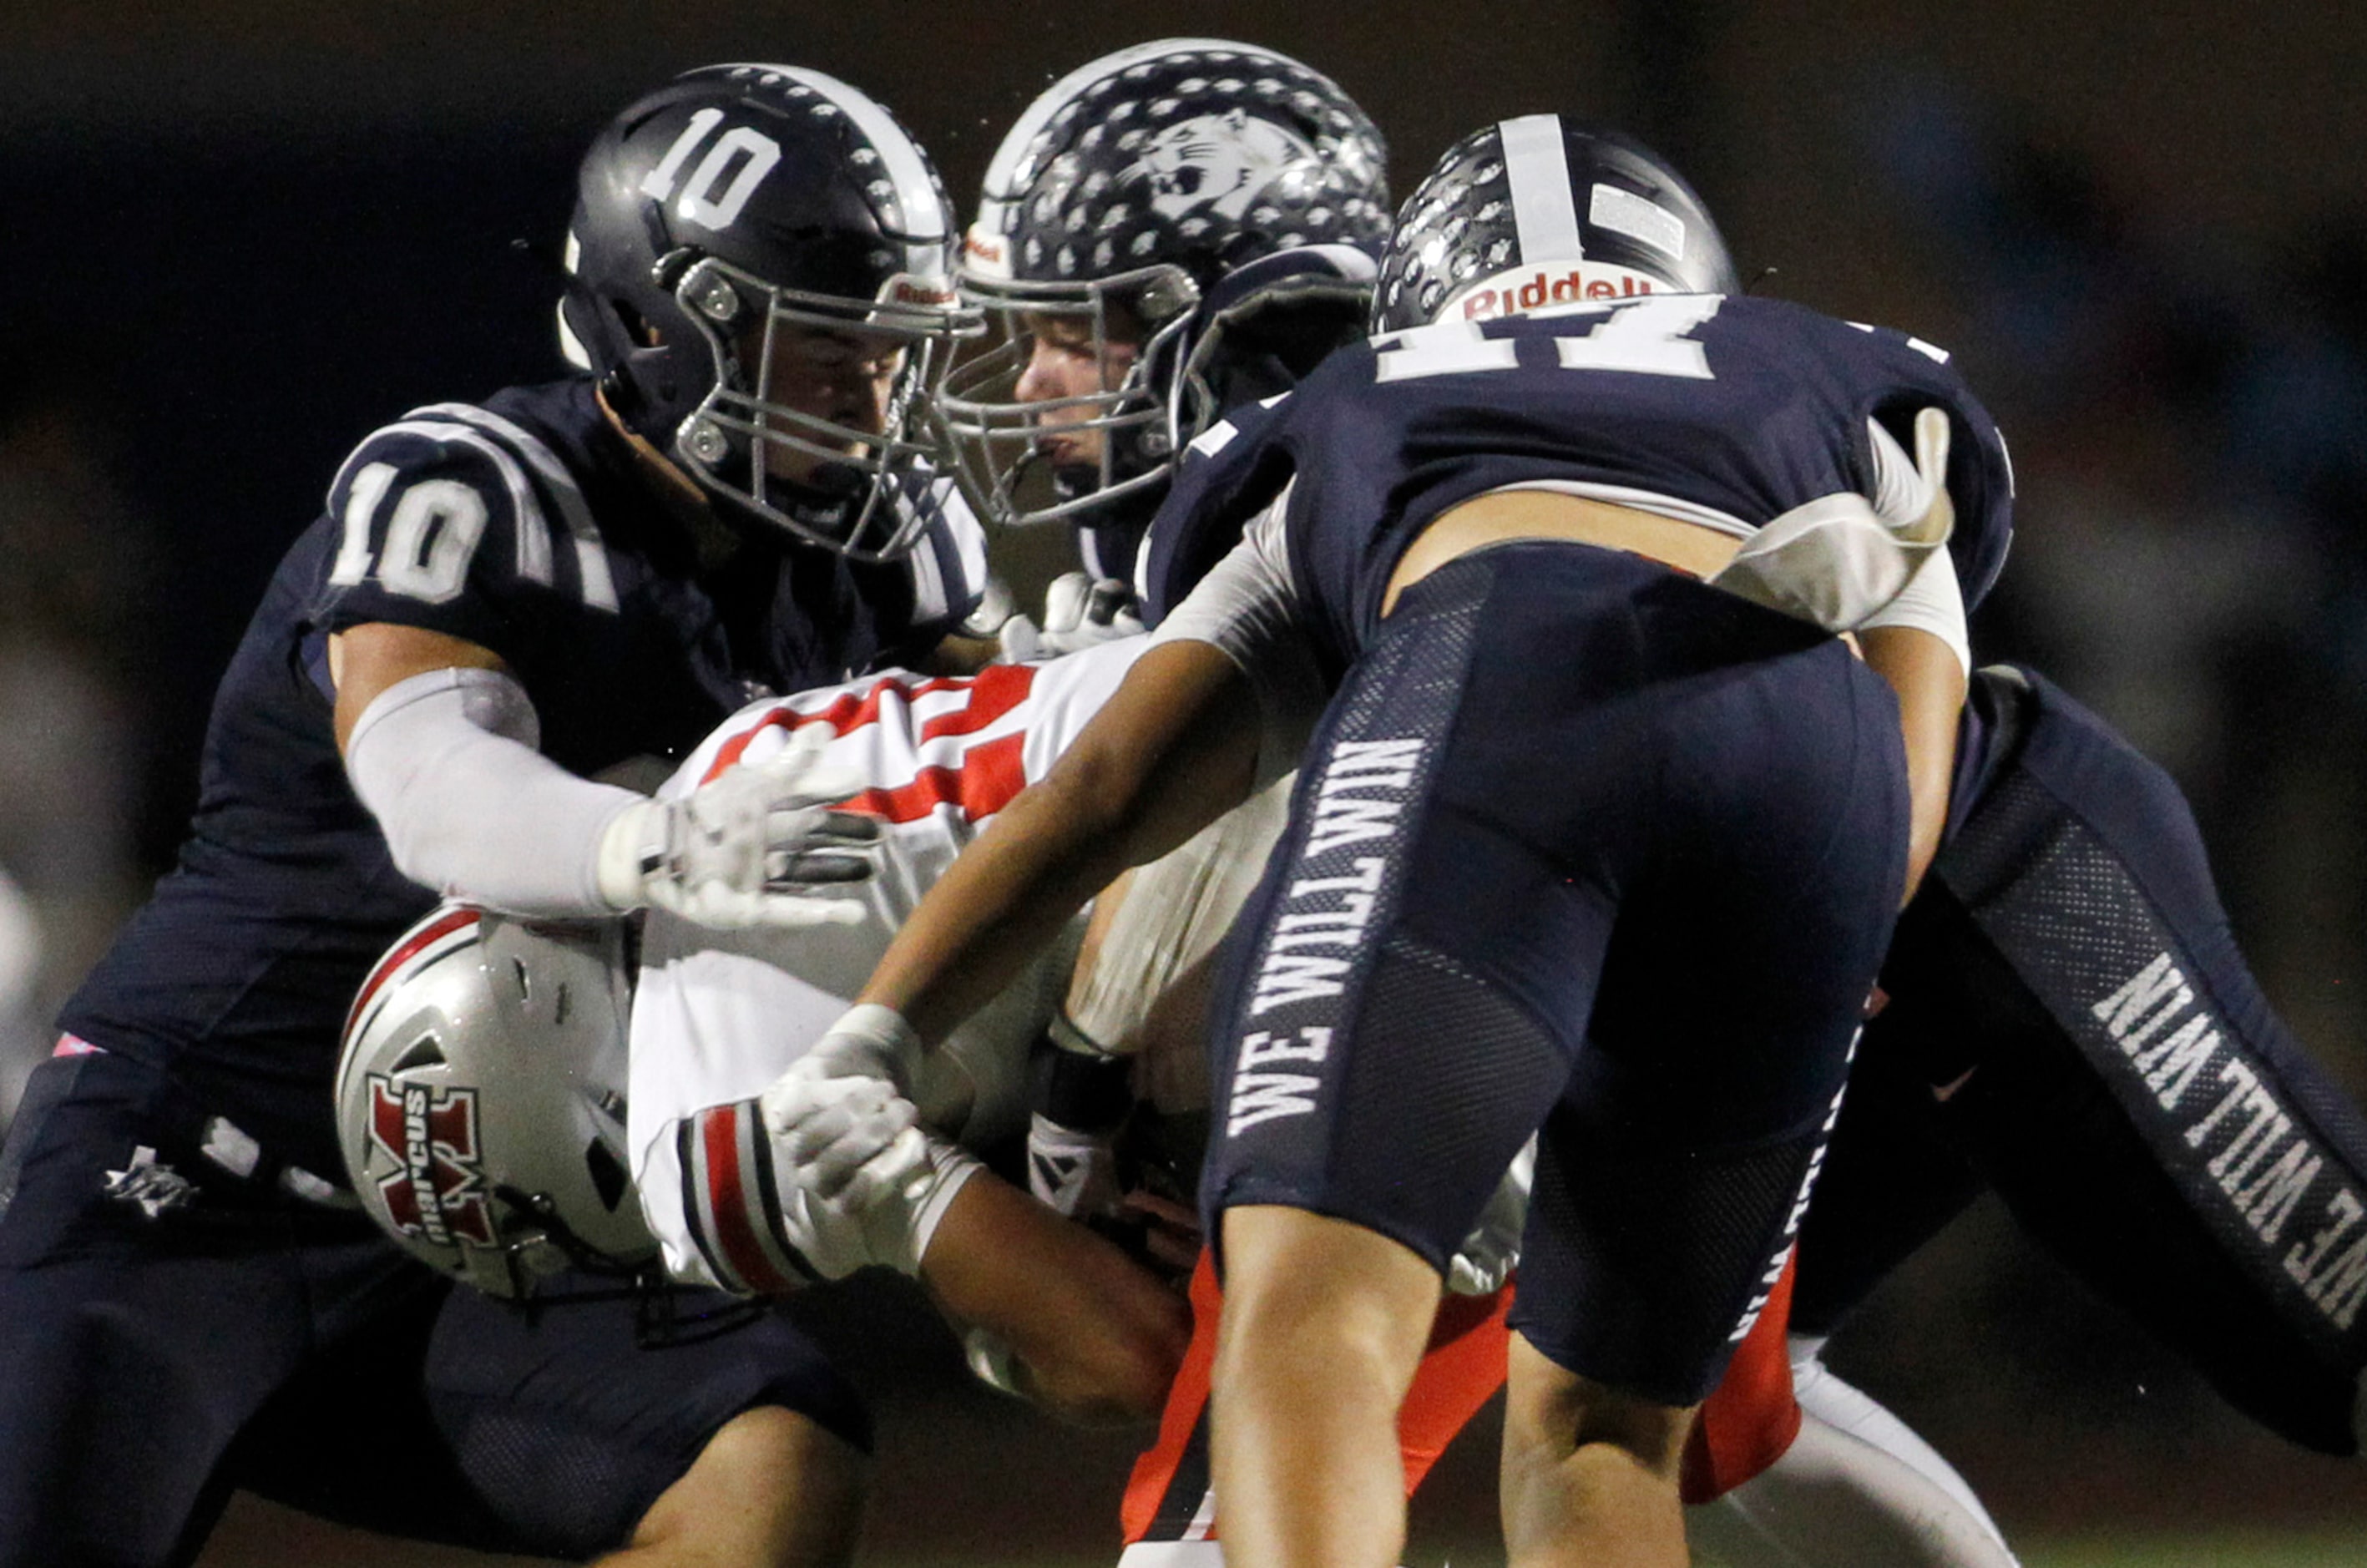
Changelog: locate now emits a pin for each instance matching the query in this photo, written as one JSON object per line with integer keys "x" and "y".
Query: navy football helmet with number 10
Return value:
{"x": 737, "y": 217}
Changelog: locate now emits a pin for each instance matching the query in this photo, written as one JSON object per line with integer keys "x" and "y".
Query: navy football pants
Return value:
{"x": 148, "y": 1366}
{"x": 2068, "y": 979}
{"x": 1583, "y": 844}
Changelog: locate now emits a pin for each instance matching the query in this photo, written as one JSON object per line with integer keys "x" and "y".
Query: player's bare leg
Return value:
{"x": 1323, "y": 1326}
{"x": 772, "y": 1489}
{"x": 1589, "y": 1474}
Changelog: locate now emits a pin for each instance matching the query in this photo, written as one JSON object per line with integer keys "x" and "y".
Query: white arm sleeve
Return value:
{"x": 446, "y": 763}
{"x": 1248, "y": 606}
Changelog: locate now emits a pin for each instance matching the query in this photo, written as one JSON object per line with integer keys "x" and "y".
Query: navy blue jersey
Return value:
{"x": 521, "y": 526}
{"x": 1739, "y": 408}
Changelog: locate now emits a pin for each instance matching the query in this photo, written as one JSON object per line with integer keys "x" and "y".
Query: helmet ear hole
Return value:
{"x": 425, "y": 1052}
{"x": 607, "y": 1175}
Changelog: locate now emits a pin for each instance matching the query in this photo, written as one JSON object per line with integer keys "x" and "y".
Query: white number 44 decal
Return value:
{"x": 753, "y": 150}
{"x": 1641, "y": 336}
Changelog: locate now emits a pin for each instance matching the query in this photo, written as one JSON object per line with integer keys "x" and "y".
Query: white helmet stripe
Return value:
{"x": 1538, "y": 169}
{"x": 925, "y": 215}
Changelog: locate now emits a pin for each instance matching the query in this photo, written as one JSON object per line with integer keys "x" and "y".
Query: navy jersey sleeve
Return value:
{"x": 455, "y": 520}
{"x": 1227, "y": 476}
{"x": 948, "y": 566}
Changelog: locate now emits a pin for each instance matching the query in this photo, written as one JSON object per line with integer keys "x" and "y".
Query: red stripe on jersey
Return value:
{"x": 432, "y": 932}
{"x": 74, "y": 1045}
{"x": 728, "y": 754}
{"x": 994, "y": 691}
{"x": 728, "y": 1201}
{"x": 989, "y": 775}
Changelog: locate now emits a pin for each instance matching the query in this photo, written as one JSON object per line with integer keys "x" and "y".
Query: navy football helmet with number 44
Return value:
{"x": 1535, "y": 212}
{"x": 761, "y": 272}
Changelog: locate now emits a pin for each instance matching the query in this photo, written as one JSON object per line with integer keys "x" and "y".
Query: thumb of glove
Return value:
{"x": 1065, "y": 601}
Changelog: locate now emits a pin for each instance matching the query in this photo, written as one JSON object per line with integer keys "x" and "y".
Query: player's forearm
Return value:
{"x": 1007, "y": 895}
{"x": 1929, "y": 680}
{"x": 439, "y": 740}
{"x": 1097, "y": 1336}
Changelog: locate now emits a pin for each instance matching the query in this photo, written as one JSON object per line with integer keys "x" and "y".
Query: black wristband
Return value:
{"x": 1089, "y": 1094}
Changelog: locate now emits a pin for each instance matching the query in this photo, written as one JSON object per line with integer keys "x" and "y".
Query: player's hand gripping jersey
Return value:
{"x": 720, "y": 1015}
{"x": 1724, "y": 411}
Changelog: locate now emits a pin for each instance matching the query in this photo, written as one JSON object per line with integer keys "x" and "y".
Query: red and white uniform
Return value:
{"x": 720, "y": 1015}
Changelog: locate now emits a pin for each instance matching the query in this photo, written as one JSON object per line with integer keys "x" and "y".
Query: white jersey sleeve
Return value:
{"x": 718, "y": 1016}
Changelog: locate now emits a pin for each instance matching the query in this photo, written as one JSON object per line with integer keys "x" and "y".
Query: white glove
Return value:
{"x": 1072, "y": 1173}
{"x": 746, "y": 849}
{"x": 839, "y": 1114}
{"x": 867, "y": 1225}
{"x": 1492, "y": 1250}
{"x": 1840, "y": 559}
{"x": 1079, "y": 611}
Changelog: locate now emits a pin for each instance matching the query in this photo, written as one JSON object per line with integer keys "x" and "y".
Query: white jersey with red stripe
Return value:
{"x": 720, "y": 1015}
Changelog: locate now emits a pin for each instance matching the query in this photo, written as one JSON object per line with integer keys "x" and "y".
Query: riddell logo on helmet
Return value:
{"x": 906, "y": 290}
{"x": 1537, "y": 287}
{"x": 436, "y": 1190}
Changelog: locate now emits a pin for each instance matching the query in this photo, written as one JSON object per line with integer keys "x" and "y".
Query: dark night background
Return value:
{"x": 238, "y": 236}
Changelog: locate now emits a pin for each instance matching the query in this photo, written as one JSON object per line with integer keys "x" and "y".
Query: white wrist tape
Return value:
{"x": 1932, "y": 602}
{"x": 914, "y": 1221}
{"x": 445, "y": 762}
